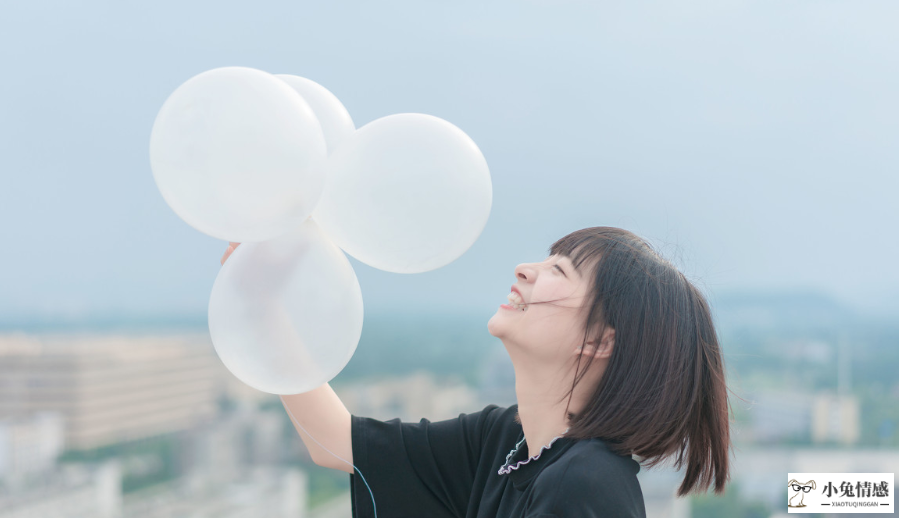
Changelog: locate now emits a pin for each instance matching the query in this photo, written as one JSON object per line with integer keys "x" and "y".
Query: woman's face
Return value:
{"x": 551, "y": 331}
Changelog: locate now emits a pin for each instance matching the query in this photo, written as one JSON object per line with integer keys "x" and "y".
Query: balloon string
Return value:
{"x": 297, "y": 422}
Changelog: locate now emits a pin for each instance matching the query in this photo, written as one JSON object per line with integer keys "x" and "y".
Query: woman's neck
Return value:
{"x": 541, "y": 406}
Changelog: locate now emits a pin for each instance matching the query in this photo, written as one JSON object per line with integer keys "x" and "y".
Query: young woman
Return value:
{"x": 615, "y": 356}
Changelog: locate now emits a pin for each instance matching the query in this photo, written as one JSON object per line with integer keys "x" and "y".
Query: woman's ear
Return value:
{"x": 605, "y": 345}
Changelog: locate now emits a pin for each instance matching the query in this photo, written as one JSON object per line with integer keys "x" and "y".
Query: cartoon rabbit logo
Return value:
{"x": 799, "y": 490}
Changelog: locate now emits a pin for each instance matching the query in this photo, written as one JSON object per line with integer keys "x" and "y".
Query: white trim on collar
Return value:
{"x": 506, "y": 468}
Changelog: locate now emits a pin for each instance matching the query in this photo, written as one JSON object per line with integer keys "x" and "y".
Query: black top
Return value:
{"x": 450, "y": 469}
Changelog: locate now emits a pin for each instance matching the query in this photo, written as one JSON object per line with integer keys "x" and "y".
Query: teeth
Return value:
{"x": 516, "y": 301}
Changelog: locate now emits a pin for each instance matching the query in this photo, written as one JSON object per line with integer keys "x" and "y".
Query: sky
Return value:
{"x": 754, "y": 143}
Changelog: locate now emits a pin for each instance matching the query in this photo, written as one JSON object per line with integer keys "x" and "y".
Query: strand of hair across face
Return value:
{"x": 297, "y": 422}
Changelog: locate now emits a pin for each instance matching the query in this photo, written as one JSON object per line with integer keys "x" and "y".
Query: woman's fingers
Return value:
{"x": 231, "y": 247}
{"x": 227, "y": 253}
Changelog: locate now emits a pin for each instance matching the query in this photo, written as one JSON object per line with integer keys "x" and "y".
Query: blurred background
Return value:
{"x": 752, "y": 142}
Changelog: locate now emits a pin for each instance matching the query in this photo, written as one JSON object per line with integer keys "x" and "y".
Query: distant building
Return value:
{"x": 87, "y": 392}
{"x": 269, "y": 492}
{"x": 110, "y": 389}
{"x": 95, "y": 491}
{"x": 234, "y": 442}
{"x": 233, "y": 472}
{"x": 836, "y": 419}
{"x": 410, "y": 398}
{"x": 778, "y": 416}
{"x": 30, "y": 445}
{"x": 794, "y": 416}
{"x": 76, "y": 491}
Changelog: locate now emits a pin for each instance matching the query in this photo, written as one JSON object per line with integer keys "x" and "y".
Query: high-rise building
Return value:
{"x": 111, "y": 389}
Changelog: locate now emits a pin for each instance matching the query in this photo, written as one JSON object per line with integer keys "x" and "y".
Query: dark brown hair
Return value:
{"x": 663, "y": 392}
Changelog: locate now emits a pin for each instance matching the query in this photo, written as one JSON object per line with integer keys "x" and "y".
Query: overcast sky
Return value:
{"x": 756, "y": 143}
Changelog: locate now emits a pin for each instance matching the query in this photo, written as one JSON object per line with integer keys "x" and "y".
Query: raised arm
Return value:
{"x": 323, "y": 415}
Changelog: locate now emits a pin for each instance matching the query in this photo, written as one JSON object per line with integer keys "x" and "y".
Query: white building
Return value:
{"x": 74, "y": 492}
{"x": 111, "y": 389}
{"x": 30, "y": 445}
{"x": 836, "y": 419}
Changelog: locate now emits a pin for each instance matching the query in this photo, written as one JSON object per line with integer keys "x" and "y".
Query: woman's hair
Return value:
{"x": 663, "y": 391}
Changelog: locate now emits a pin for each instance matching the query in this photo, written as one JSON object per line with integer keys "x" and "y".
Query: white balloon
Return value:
{"x": 285, "y": 315}
{"x": 238, "y": 154}
{"x": 406, "y": 193}
{"x": 336, "y": 122}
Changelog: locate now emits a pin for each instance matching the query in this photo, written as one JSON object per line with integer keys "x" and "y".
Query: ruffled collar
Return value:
{"x": 507, "y": 467}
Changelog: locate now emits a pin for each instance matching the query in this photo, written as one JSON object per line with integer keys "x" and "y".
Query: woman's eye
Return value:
{"x": 556, "y": 266}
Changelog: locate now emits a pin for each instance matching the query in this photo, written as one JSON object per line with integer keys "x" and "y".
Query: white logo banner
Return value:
{"x": 840, "y": 493}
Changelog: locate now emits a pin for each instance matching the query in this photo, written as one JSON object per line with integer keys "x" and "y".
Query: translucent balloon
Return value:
{"x": 336, "y": 122}
{"x": 238, "y": 154}
{"x": 285, "y": 315}
{"x": 406, "y": 193}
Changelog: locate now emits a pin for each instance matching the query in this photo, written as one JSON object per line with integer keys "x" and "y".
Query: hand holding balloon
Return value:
{"x": 285, "y": 315}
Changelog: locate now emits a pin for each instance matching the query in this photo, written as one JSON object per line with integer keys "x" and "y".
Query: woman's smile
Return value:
{"x": 516, "y": 301}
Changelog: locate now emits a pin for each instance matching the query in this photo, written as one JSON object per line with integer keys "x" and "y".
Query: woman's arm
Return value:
{"x": 323, "y": 415}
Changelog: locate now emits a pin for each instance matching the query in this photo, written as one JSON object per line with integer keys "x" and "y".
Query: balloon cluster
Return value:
{"x": 275, "y": 162}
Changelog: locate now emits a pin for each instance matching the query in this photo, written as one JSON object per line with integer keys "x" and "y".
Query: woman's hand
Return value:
{"x": 231, "y": 248}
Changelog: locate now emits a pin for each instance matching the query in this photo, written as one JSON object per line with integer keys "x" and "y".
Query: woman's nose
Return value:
{"x": 525, "y": 271}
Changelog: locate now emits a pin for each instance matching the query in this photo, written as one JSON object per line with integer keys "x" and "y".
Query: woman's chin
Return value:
{"x": 494, "y": 326}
